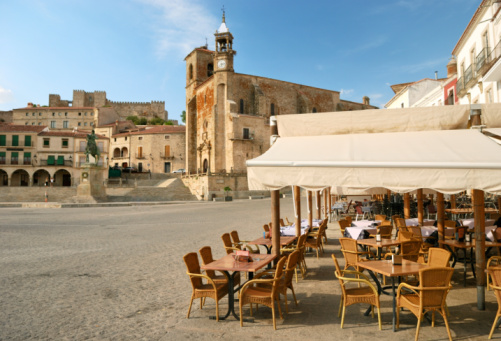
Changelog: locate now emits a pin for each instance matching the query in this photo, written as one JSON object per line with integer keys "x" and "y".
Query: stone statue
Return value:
{"x": 91, "y": 148}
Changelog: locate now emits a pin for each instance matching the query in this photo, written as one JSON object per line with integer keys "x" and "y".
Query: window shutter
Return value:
{"x": 27, "y": 141}
{"x": 60, "y": 160}
{"x": 50, "y": 160}
{"x": 15, "y": 140}
{"x": 3, "y": 140}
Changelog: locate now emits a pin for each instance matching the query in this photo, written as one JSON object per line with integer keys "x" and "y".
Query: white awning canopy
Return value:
{"x": 448, "y": 161}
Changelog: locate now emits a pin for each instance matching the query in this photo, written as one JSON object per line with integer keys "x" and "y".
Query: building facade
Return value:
{"x": 478, "y": 53}
{"x": 33, "y": 155}
{"x": 228, "y": 113}
{"x": 155, "y": 149}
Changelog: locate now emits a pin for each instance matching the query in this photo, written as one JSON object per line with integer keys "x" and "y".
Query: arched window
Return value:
{"x": 241, "y": 106}
{"x": 314, "y": 110}
{"x": 210, "y": 69}
{"x": 272, "y": 109}
{"x": 191, "y": 71}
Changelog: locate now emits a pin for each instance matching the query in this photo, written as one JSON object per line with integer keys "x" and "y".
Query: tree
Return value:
{"x": 183, "y": 117}
{"x": 134, "y": 119}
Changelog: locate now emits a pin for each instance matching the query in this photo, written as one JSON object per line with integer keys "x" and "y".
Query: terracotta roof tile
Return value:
{"x": 164, "y": 129}
{"x": 6, "y": 128}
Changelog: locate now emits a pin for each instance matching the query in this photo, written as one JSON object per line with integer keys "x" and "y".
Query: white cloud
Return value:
{"x": 346, "y": 91}
{"x": 181, "y": 25}
{"x": 375, "y": 43}
{"x": 6, "y": 95}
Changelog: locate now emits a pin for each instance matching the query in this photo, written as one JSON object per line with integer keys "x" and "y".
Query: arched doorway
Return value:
{"x": 62, "y": 178}
{"x": 205, "y": 166}
{"x": 125, "y": 152}
{"x": 116, "y": 152}
{"x": 20, "y": 178}
{"x": 41, "y": 178}
{"x": 4, "y": 178}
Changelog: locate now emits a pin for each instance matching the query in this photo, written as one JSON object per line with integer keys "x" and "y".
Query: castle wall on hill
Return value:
{"x": 141, "y": 109}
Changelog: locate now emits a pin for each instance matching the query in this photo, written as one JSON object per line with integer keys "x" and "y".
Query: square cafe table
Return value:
{"x": 386, "y": 268}
{"x": 228, "y": 264}
{"x": 371, "y": 242}
{"x": 267, "y": 243}
{"x": 453, "y": 245}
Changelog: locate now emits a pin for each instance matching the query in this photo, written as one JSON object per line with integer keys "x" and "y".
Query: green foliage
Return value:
{"x": 143, "y": 121}
{"x": 183, "y": 117}
{"x": 169, "y": 123}
{"x": 157, "y": 121}
{"x": 134, "y": 119}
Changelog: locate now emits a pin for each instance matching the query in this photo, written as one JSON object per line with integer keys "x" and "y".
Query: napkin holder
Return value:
{"x": 378, "y": 237}
{"x": 242, "y": 256}
{"x": 396, "y": 259}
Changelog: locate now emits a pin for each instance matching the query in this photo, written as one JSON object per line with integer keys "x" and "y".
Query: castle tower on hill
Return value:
{"x": 97, "y": 99}
{"x": 228, "y": 113}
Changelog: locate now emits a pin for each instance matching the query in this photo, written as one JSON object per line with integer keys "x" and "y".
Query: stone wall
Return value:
{"x": 6, "y": 116}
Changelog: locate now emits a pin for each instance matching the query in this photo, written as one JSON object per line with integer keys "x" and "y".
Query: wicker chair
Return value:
{"x": 212, "y": 290}
{"x": 365, "y": 294}
{"x": 314, "y": 240}
{"x": 243, "y": 243}
{"x": 438, "y": 257}
{"x": 301, "y": 262}
{"x": 492, "y": 261}
{"x": 206, "y": 255}
{"x": 349, "y": 219}
{"x": 352, "y": 256}
{"x": 381, "y": 217}
{"x": 430, "y": 295}
{"x": 286, "y": 282}
{"x": 400, "y": 223}
{"x": 251, "y": 293}
{"x": 228, "y": 245}
{"x": 495, "y": 274}
{"x": 343, "y": 224}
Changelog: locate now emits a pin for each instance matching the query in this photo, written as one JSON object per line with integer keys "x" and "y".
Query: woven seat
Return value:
{"x": 251, "y": 293}
{"x": 429, "y": 296}
{"x": 495, "y": 274}
{"x": 365, "y": 294}
{"x": 213, "y": 290}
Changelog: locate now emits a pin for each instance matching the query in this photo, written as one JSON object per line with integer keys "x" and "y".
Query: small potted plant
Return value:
{"x": 226, "y": 196}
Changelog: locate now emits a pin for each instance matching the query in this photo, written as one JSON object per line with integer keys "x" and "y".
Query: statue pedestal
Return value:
{"x": 91, "y": 185}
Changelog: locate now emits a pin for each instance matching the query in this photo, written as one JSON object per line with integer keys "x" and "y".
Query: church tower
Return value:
{"x": 223, "y": 58}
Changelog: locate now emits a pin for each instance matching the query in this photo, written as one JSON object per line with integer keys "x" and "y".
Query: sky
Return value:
{"x": 135, "y": 49}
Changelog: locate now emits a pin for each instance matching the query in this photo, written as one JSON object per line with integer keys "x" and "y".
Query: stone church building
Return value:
{"x": 228, "y": 115}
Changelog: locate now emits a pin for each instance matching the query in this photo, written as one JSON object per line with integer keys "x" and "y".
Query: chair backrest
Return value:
{"x": 193, "y": 266}
{"x": 438, "y": 257}
{"x": 227, "y": 243}
{"x": 266, "y": 228}
{"x": 431, "y": 209}
{"x": 410, "y": 250}
{"x": 358, "y": 208}
{"x": 282, "y": 223}
{"x": 349, "y": 220}
{"x": 206, "y": 255}
{"x": 385, "y": 231}
{"x": 343, "y": 224}
{"x": 291, "y": 266}
{"x": 434, "y": 284}
{"x": 395, "y": 216}
{"x": 404, "y": 236}
{"x": 381, "y": 217}
{"x": 300, "y": 241}
{"x": 278, "y": 274}
{"x": 318, "y": 238}
{"x": 349, "y": 250}
{"x": 235, "y": 237}
{"x": 400, "y": 222}
{"x": 339, "y": 274}
{"x": 416, "y": 231}
{"x": 449, "y": 223}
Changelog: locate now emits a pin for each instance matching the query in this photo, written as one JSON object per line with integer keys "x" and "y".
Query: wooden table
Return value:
{"x": 371, "y": 242}
{"x": 386, "y": 268}
{"x": 267, "y": 243}
{"x": 453, "y": 245}
{"x": 228, "y": 264}
{"x": 457, "y": 211}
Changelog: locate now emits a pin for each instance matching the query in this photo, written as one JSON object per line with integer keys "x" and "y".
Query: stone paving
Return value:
{"x": 116, "y": 273}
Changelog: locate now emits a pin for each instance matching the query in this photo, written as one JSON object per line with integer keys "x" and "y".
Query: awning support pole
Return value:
{"x": 297, "y": 205}
{"x": 440, "y": 215}
{"x": 275, "y": 221}
{"x": 407, "y": 206}
{"x": 479, "y": 218}
{"x": 420, "y": 207}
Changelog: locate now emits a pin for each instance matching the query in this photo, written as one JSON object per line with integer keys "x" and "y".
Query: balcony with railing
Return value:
{"x": 491, "y": 69}
{"x": 67, "y": 163}
{"x": 166, "y": 156}
{"x": 18, "y": 144}
{"x": 140, "y": 156}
